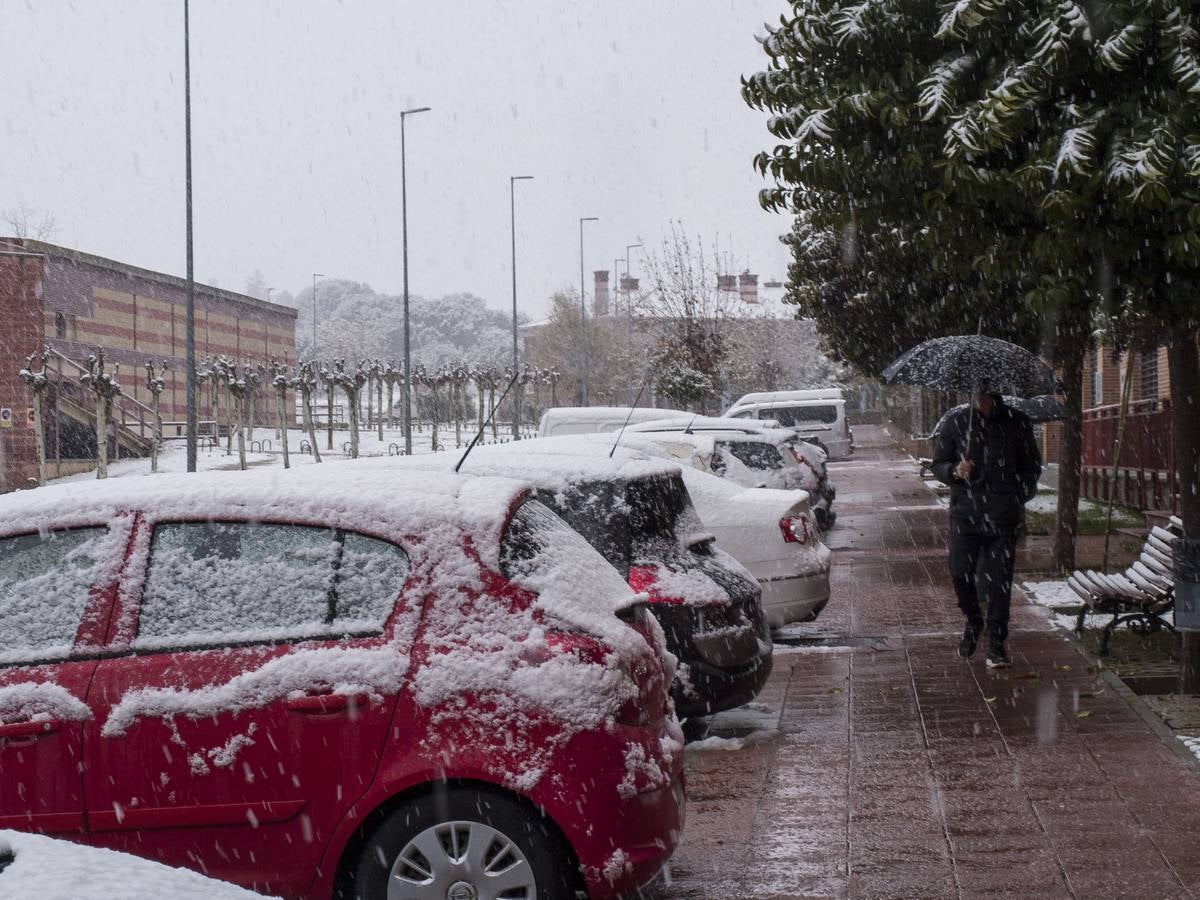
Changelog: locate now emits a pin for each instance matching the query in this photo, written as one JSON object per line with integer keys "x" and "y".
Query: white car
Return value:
{"x": 819, "y": 418}
{"x": 770, "y": 532}
{"x": 561, "y": 420}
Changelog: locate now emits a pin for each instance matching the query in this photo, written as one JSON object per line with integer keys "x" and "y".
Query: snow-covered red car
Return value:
{"x": 321, "y": 682}
{"x": 636, "y": 512}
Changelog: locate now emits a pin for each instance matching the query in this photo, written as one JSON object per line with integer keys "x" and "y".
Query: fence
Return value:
{"x": 1145, "y": 472}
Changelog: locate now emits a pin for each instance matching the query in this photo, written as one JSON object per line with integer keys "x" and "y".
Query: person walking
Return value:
{"x": 988, "y": 455}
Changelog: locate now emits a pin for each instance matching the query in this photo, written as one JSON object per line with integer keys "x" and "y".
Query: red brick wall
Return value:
{"x": 20, "y": 335}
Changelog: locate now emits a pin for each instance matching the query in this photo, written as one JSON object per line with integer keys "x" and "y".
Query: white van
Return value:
{"x": 560, "y": 420}
{"x": 772, "y": 396}
{"x": 821, "y": 419}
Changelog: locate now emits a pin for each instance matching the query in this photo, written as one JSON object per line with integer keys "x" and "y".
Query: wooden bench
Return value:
{"x": 1138, "y": 597}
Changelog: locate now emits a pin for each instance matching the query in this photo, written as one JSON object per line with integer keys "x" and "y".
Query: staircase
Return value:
{"x": 132, "y": 430}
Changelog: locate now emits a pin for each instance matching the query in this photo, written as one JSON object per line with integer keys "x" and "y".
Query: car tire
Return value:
{"x": 436, "y": 821}
{"x": 695, "y": 728}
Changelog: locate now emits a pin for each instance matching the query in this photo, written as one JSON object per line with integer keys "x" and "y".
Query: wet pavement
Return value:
{"x": 877, "y": 764}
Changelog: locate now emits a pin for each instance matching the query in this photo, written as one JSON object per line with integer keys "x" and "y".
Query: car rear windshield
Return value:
{"x": 790, "y": 416}
{"x": 543, "y": 553}
{"x": 753, "y": 454}
{"x": 622, "y": 520}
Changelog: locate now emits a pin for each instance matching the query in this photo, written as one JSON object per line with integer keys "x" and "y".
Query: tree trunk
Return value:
{"x": 249, "y": 428}
{"x": 1070, "y": 459}
{"x": 1184, "y": 364}
{"x": 434, "y": 434}
{"x": 39, "y": 437}
{"x": 282, "y": 403}
{"x": 101, "y": 437}
{"x": 370, "y": 400}
{"x": 239, "y": 406}
{"x": 309, "y": 425}
{"x": 157, "y": 435}
{"x": 216, "y": 416}
{"x": 379, "y": 403}
{"x": 391, "y": 407}
{"x": 480, "y": 392}
{"x": 492, "y": 411}
{"x": 329, "y": 410}
{"x": 457, "y": 393}
{"x": 352, "y": 401}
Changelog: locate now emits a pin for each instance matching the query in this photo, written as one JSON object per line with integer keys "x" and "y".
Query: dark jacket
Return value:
{"x": 1007, "y": 467}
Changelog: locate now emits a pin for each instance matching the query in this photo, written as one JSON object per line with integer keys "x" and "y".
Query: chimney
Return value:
{"x": 727, "y": 283}
{"x": 748, "y": 287}
{"x": 600, "y": 293}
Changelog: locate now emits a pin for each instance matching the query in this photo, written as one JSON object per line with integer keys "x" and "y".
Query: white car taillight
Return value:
{"x": 796, "y": 529}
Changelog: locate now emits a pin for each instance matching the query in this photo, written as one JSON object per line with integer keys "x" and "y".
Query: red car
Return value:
{"x": 334, "y": 682}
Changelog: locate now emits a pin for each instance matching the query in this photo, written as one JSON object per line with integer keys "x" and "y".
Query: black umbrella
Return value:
{"x": 971, "y": 362}
{"x": 1045, "y": 408}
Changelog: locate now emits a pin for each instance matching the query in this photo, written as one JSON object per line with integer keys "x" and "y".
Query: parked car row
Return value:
{"x": 384, "y": 677}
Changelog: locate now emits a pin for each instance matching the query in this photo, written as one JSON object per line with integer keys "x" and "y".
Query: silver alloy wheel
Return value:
{"x": 461, "y": 861}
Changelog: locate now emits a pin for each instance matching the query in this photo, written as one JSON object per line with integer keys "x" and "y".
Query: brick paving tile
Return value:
{"x": 881, "y": 765}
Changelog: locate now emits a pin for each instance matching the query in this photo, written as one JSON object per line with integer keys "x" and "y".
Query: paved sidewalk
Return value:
{"x": 878, "y": 764}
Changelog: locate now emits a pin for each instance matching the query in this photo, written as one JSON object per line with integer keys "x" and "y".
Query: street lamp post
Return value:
{"x": 193, "y": 419}
{"x": 512, "y": 204}
{"x": 583, "y": 347}
{"x": 316, "y": 275}
{"x": 404, "y": 232}
{"x": 629, "y": 315}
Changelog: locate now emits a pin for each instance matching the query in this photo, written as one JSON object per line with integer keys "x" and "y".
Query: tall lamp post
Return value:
{"x": 193, "y": 422}
{"x": 404, "y": 232}
{"x": 316, "y": 275}
{"x": 583, "y": 346}
{"x": 629, "y": 315}
{"x": 512, "y": 204}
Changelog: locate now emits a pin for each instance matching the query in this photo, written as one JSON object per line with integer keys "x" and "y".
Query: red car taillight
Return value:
{"x": 646, "y": 673}
{"x": 796, "y": 529}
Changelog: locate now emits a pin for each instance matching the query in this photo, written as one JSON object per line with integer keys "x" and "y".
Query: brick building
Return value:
{"x": 74, "y": 303}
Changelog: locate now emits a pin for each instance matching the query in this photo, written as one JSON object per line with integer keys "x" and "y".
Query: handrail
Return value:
{"x": 83, "y": 371}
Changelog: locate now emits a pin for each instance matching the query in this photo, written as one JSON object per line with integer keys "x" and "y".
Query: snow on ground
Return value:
{"x": 1191, "y": 742}
{"x": 722, "y": 743}
{"x": 50, "y": 869}
{"x": 173, "y": 457}
{"x": 1053, "y": 597}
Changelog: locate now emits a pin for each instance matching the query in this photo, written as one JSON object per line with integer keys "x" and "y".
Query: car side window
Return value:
{"x": 214, "y": 582}
{"x": 235, "y": 580}
{"x": 370, "y": 577}
{"x": 45, "y": 582}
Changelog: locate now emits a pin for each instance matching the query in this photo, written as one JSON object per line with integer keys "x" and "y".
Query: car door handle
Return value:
{"x": 317, "y": 704}
{"x": 22, "y": 734}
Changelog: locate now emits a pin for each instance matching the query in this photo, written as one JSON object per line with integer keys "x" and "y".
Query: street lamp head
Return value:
{"x": 419, "y": 109}
{"x": 318, "y": 274}
{"x": 589, "y": 219}
{"x": 520, "y": 178}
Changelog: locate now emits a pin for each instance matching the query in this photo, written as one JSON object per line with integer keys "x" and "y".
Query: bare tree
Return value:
{"x": 352, "y": 384}
{"x": 35, "y": 378}
{"x": 281, "y": 382}
{"x": 155, "y": 383}
{"x": 104, "y": 387}
{"x": 26, "y": 222}
{"x": 688, "y": 307}
{"x": 306, "y": 383}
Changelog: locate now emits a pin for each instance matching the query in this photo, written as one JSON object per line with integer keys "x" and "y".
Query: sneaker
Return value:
{"x": 970, "y": 640}
{"x": 997, "y": 657}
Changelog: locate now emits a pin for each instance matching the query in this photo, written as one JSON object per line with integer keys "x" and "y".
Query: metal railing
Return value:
{"x": 1145, "y": 472}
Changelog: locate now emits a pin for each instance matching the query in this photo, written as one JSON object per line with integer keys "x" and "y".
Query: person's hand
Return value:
{"x": 963, "y": 469}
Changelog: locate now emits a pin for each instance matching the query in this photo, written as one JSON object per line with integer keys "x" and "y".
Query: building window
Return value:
{"x": 60, "y": 326}
{"x": 1097, "y": 380}
{"x": 1150, "y": 373}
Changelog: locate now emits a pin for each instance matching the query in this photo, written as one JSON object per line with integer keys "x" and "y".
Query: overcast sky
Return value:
{"x": 628, "y": 110}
